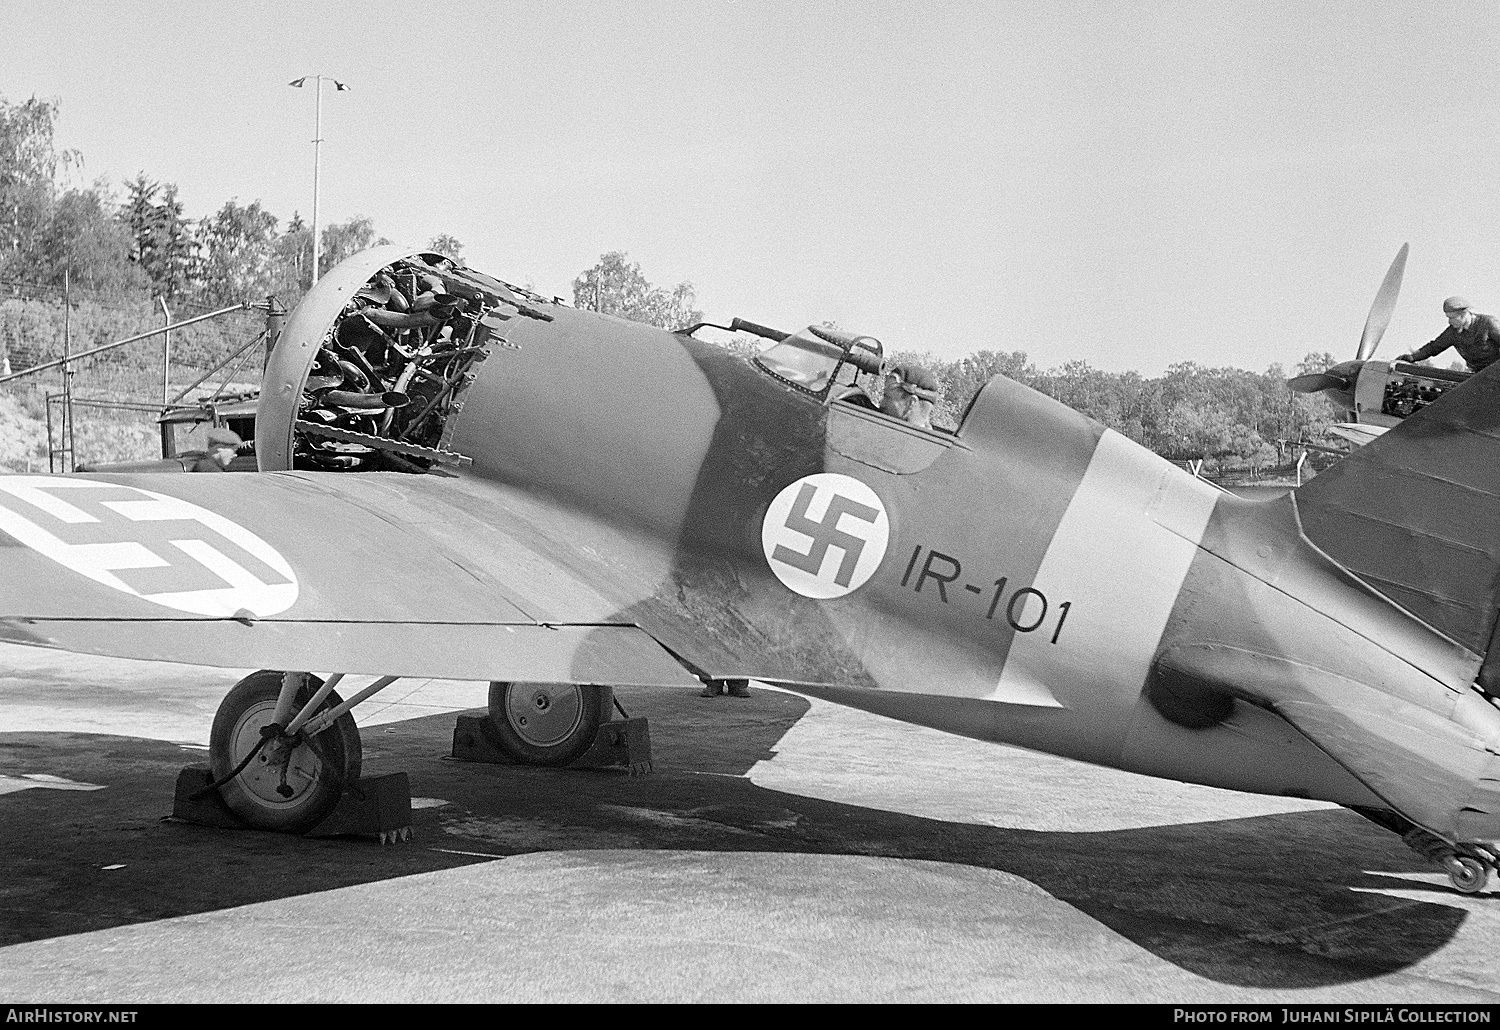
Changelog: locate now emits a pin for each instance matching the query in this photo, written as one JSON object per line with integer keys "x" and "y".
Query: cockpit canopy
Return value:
{"x": 813, "y": 359}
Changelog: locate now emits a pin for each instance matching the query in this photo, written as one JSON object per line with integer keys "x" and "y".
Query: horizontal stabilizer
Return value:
{"x": 1438, "y": 772}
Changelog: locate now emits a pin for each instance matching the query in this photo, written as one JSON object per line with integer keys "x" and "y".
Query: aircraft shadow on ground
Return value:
{"x": 1261, "y": 902}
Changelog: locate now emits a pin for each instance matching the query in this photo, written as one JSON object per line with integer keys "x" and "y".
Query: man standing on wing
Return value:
{"x": 1476, "y": 337}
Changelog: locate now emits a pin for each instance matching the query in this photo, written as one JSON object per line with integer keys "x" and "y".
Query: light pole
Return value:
{"x": 338, "y": 87}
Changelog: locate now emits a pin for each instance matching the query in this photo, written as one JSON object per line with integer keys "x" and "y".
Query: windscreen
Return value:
{"x": 803, "y": 360}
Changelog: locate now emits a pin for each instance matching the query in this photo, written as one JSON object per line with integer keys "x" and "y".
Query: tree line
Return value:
{"x": 1228, "y": 418}
{"x": 132, "y": 245}
{"x": 139, "y": 241}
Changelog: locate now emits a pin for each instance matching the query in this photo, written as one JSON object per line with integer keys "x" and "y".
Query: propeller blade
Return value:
{"x": 1316, "y": 382}
{"x": 1384, "y": 306}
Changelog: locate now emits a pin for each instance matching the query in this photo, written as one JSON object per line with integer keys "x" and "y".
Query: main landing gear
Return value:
{"x": 555, "y": 725}
{"x": 284, "y": 751}
{"x": 546, "y": 723}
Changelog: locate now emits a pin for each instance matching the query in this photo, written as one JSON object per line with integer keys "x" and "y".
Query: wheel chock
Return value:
{"x": 624, "y": 742}
{"x": 379, "y": 807}
{"x": 621, "y": 744}
{"x": 192, "y": 805}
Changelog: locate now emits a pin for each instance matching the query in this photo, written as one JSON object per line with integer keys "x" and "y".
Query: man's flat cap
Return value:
{"x": 221, "y": 437}
{"x": 916, "y": 375}
{"x": 1453, "y": 304}
{"x": 918, "y": 381}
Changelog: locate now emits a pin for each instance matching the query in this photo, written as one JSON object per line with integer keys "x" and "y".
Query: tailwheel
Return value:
{"x": 1467, "y": 864}
{"x": 1466, "y": 873}
{"x": 289, "y": 785}
{"x": 546, "y": 723}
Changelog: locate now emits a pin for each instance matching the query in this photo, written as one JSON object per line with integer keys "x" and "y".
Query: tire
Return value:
{"x": 546, "y": 723}
{"x": 316, "y": 781}
{"x": 1468, "y": 875}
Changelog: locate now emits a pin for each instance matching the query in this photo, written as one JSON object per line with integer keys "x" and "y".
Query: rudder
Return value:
{"x": 1416, "y": 513}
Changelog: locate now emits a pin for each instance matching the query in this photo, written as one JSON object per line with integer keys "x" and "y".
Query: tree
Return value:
{"x": 675, "y": 311}
{"x": 966, "y": 376}
{"x": 1316, "y": 361}
{"x": 1193, "y": 429}
{"x": 615, "y": 286}
{"x": 1113, "y": 399}
{"x": 442, "y": 243}
{"x": 84, "y": 240}
{"x": 29, "y": 163}
{"x": 176, "y": 252}
{"x": 237, "y": 249}
{"x": 1314, "y": 412}
{"x": 344, "y": 239}
{"x": 138, "y": 214}
{"x": 293, "y": 258}
{"x": 162, "y": 245}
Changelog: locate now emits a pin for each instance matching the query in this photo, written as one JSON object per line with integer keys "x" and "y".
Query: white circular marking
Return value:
{"x": 825, "y": 535}
{"x": 193, "y": 560}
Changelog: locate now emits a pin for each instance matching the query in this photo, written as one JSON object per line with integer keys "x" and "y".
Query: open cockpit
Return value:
{"x": 830, "y": 364}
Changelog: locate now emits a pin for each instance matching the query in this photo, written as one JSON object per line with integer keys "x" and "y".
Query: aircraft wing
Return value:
{"x": 1358, "y": 433}
{"x": 384, "y": 574}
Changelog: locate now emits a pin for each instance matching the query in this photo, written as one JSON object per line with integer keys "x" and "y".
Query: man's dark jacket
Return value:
{"x": 1478, "y": 345}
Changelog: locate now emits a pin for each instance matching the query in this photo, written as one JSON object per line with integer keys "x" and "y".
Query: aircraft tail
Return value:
{"x": 1416, "y": 513}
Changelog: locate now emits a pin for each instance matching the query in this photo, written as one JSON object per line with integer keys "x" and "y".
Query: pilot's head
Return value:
{"x": 1457, "y": 310}
{"x": 910, "y": 393}
{"x": 222, "y": 445}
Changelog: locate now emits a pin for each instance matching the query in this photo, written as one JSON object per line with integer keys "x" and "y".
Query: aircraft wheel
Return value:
{"x": 1467, "y": 874}
{"x": 289, "y": 790}
{"x": 546, "y": 723}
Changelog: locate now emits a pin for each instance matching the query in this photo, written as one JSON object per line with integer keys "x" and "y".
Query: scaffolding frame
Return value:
{"x": 60, "y": 406}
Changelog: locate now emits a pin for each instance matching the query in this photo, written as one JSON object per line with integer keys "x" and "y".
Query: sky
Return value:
{"x": 1132, "y": 184}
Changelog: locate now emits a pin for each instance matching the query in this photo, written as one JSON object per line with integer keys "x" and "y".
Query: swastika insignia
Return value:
{"x": 149, "y": 545}
{"x": 825, "y": 535}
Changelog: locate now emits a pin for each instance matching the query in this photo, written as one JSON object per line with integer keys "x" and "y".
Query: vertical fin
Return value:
{"x": 1416, "y": 513}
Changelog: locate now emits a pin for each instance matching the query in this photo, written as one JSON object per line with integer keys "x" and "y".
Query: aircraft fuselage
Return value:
{"x": 1031, "y": 567}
